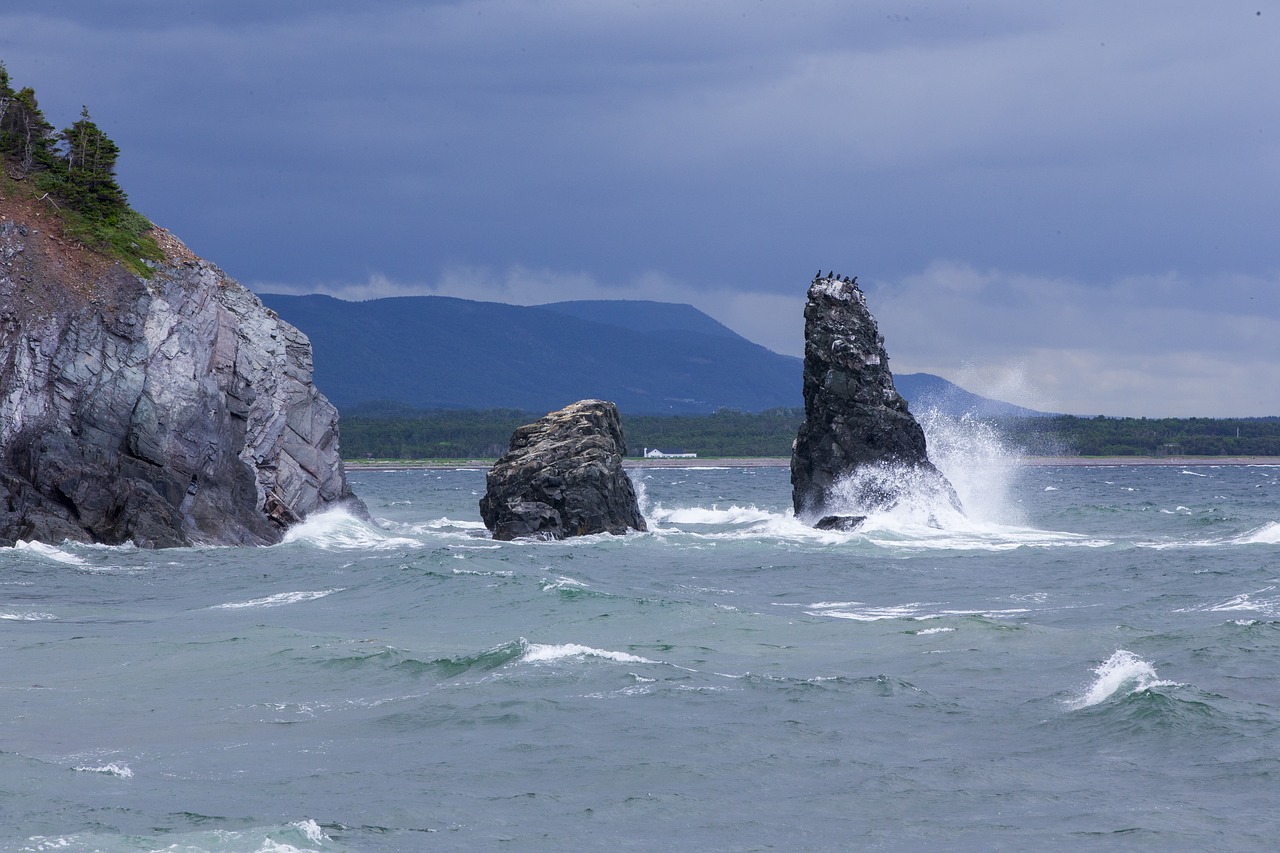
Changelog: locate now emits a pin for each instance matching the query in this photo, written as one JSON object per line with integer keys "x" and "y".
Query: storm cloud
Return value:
{"x": 1073, "y": 206}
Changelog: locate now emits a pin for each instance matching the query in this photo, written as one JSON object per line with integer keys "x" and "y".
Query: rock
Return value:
{"x": 843, "y": 523}
{"x": 162, "y": 411}
{"x": 562, "y": 476}
{"x": 859, "y": 448}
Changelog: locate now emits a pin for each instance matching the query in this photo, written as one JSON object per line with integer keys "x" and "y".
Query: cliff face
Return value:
{"x": 165, "y": 411}
{"x": 854, "y": 417}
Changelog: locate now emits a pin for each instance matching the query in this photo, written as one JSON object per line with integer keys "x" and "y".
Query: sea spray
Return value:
{"x": 981, "y": 466}
{"x": 1123, "y": 672}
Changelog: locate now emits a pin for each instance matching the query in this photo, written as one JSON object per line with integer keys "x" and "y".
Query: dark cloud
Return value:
{"x": 723, "y": 147}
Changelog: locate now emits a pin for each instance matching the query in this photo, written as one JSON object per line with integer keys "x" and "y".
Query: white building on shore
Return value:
{"x": 655, "y": 453}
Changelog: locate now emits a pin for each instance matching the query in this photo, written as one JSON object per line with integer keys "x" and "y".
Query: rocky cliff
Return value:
{"x": 163, "y": 411}
{"x": 859, "y": 448}
{"x": 563, "y": 477}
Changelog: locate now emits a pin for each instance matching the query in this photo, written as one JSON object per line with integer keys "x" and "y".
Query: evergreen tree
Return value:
{"x": 25, "y": 134}
{"x": 91, "y": 168}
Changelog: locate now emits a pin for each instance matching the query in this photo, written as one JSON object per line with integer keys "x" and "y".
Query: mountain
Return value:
{"x": 442, "y": 352}
{"x": 926, "y": 391}
{"x": 439, "y": 352}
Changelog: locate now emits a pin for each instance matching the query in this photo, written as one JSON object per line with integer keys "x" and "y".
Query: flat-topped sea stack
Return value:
{"x": 859, "y": 448}
{"x": 163, "y": 410}
{"x": 562, "y": 476}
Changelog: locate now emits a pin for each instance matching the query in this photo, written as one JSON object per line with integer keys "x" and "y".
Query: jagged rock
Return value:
{"x": 562, "y": 476}
{"x": 163, "y": 411}
{"x": 859, "y": 448}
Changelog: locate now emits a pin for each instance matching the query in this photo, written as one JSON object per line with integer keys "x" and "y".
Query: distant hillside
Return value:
{"x": 437, "y": 352}
{"x": 926, "y": 391}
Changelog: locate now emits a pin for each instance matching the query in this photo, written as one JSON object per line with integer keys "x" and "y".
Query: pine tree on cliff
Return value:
{"x": 25, "y": 135}
{"x": 91, "y": 169}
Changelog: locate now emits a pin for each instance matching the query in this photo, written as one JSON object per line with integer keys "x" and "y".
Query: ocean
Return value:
{"x": 1088, "y": 659}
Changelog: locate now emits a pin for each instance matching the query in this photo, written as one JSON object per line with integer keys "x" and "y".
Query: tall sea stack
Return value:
{"x": 163, "y": 410}
{"x": 855, "y": 420}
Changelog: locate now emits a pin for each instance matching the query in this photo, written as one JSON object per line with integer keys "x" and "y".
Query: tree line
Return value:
{"x": 475, "y": 434}
{"x": 74, "y": 171}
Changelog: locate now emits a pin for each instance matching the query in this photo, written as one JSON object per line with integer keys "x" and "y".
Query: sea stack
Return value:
{"x": 562, "y": 476}
{"x": 165, "y": 409}
{"x": 859, "y": 448}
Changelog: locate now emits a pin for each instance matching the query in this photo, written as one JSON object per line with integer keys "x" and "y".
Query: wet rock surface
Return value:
{"x": 162, "y": 411}
{"x": 563, "y": 476}
{"x": 855, "y": 420}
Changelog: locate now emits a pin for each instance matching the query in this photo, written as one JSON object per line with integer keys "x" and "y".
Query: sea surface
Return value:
{"x": 1087, "y": 659}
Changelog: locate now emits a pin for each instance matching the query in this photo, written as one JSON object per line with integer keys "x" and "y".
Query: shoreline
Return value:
{"x": 355, "y": 465}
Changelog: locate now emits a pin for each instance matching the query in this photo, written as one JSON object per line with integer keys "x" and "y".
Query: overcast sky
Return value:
{"x": 1071, "y": 206}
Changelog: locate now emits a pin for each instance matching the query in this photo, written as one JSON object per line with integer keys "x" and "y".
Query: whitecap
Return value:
{"x": 1269, "y": 606}
{"x": 339, "y": 530}
{"x": 27, "y": 617}
{"x": 1193, "y": 473}
{"x": 697, "y": 515}
{"x": 934, "y": 631}
{"x": 279, "y": 599}
{"x": 562, "y": 582}
{"x": 121, "y": 771}
{"x": 544, "y": 653}
{"x": 1268, "y": 534}
{"x": 1123, "y": 672}
{"x": 49, "y": 552}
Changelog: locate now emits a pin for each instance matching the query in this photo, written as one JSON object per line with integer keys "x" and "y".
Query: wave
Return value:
{"x": 27, "y": 617}
{"x": 895, "y": 529}
{"x": 1268, "y": 534}
{"x": 50, "y": 552}
{"x": 545, "y": 653}
{"x": 858, "y": 611}
{"x": 1266, "y": 605}
{"x": 121, "y": 771}
{"x": 297, "y": 837}
{"x": 1123, "y": 673}
{"x": 278, "y": 600}
{"x": 339, "y": 530}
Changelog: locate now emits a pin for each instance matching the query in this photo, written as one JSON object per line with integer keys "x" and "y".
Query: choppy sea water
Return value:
{"x": 1089, "y": 660}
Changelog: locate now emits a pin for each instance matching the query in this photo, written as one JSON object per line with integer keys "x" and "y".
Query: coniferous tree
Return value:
{"x": 25, "y": 134}
{"x": 91, "y": 168}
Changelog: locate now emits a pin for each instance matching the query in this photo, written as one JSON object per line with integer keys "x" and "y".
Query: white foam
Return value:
{"x": 562, "y": 582}
{"x": 1267, "y": 605}
{"x": 1266, "y": 535}
{"x": 279, "y": 599}
{"x": 697, "y": 515}
{"x": 49, "y": 552}
{"x": 311, "y": 830}
{"x": 857, "y": 611}
{"x": 27, "y": 617}
{"x": 1193, "y": 473}
{"x": 934, "y": 631}
{"x": 119, "y": 770}
{"x": 544, "y": 653}
{"x": 1123, "y": 672}
{"x": 339, "y": 530}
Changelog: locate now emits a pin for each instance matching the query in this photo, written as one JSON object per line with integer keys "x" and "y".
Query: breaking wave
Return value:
{"x": 1121, "y": 674}
{"x": 339, "y": 530}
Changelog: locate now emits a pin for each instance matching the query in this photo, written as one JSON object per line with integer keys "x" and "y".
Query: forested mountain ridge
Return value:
{"x": 438, "y": 352}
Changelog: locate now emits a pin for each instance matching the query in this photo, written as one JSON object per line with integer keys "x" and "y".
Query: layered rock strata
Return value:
{"x": 855, "y": 420}
{"x": 163, "y": 411}
{"x": 562, "y": 476}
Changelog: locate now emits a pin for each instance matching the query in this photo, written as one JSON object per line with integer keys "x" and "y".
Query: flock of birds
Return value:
{"x": 846, "y": 279}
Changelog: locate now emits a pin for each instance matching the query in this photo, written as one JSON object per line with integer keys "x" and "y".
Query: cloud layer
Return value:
{"x": 1082, "y": 194}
